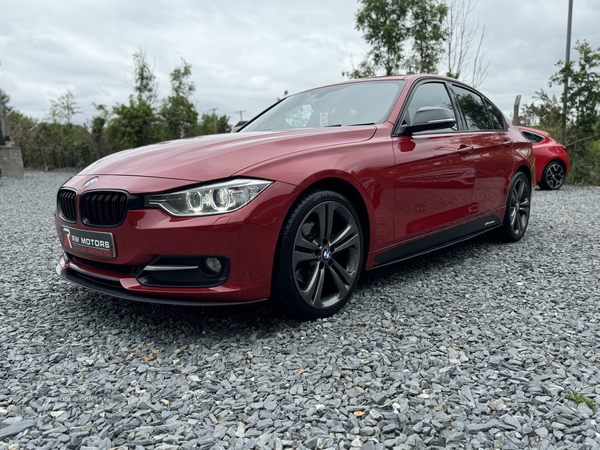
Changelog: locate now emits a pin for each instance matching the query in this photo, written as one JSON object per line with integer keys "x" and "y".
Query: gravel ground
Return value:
{"x": 474, "y": 346}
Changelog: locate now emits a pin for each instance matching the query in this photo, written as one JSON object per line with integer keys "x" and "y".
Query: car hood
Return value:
{"x": 221, "y": 156}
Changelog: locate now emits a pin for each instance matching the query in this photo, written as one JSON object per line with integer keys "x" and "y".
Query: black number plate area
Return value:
{"x": 91, "y": 243}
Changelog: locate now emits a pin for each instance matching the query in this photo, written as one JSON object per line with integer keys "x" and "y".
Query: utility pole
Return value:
{"x": 241, "y": 119}
{"x": 563, "y": 134}
{"x": 214, "y": 117}
{"x": 1, "y": 127}
{"x": 516, "y": 110}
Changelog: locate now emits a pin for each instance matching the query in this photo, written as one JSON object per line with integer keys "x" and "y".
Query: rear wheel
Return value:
{"x": 319, "y": 257}
{"x": 553, "y": 176}
{"x": 518, "y": 206}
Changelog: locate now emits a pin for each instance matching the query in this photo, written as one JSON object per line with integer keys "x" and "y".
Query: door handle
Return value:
{"x": 465, "y": 150}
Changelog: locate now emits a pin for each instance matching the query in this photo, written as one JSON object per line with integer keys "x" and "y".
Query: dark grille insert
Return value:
{"x": 66, "y": 202}
{"x": 103, "y": 208}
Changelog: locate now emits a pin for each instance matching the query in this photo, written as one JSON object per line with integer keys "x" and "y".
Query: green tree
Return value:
{"x": 57, "y": 142}
{"x": 389, "y": 25}
{"x": 102, "y": 143}
{"x": 5, "y": 107}
{"x": 177, "y": 111}
{"x": 384, "y": 27}
{"x": 22, "y": 129}
{"x": 144, "y": 80}
{"x": 428, "y": 36}
{"x": 583, "y": 112}
{"x": 63, "y": 108}
{"x": 583, "y": 93}
{"x": 543, "y": 112}
{"x": 136, "y": 124}
{"x": 208, "y": 122}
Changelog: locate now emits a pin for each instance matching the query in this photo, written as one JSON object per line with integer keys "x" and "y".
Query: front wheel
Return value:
{"x": 319, "y": 256}
{"x": 553, "y": 176}
{"x": 518, "y": 206}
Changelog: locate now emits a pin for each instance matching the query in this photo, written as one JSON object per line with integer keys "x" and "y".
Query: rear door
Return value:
{"x": 492, "y": 149}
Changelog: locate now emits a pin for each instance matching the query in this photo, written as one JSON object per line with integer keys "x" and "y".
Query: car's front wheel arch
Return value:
{"x": 349, "y": 191}
{"x": 333, "y": 195}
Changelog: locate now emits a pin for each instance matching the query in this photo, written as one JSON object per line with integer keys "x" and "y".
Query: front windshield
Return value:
{"x": 363, "y": 103}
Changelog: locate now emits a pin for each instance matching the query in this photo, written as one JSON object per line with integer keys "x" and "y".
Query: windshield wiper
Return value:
{"x": 348, "y": 125}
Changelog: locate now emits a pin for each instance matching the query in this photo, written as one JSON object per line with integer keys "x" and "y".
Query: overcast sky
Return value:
{"x": 245, "y": 54}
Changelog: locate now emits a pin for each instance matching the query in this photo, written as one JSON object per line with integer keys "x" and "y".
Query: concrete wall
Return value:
{"x": 11, "y": 161}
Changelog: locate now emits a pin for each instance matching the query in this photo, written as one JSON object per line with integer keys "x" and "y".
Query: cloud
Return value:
{"x": 246, "y": 54}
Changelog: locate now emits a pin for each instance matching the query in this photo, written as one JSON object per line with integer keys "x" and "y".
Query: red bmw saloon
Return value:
{"x": 294, "y": 205}
{"x": 551, "y": 159}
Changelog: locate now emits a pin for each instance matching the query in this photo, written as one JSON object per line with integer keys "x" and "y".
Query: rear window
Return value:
{"x": 474, "y": 109}
{"x": 532, "y": 137}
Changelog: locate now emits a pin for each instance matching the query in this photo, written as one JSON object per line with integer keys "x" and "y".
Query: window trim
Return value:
{"x": 535, "y": 134}
{"x": 486, "y": 101}
{"x": 460, "y": 122}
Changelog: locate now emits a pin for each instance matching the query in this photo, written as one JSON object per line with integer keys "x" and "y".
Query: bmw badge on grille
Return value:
{"x": 89, "y": 182}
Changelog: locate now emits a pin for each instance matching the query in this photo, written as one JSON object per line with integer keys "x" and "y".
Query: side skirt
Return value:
{"x": 439, "y": 240}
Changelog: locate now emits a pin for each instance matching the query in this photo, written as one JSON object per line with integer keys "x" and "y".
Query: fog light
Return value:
{"x": 213, "y": 264}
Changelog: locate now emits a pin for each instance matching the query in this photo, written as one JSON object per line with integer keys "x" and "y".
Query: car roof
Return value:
{"x": 408, "y": 77}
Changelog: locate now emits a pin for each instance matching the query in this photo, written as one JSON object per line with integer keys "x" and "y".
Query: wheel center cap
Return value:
{"x": 326, "y": 254}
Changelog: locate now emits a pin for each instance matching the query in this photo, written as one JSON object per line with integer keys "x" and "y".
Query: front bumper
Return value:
{"x": 247, "y": 238}
{"x": 95, "y": 284}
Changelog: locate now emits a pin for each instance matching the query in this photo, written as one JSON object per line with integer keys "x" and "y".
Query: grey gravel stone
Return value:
{"x": 474, "y": 345}
{"x": 16, "y": 428}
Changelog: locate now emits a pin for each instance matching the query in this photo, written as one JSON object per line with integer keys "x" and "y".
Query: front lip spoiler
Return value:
{"x": 74, "y": 277}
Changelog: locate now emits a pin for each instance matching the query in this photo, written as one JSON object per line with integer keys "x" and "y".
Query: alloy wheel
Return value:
{"x": 519, "y": 206}
{"x": 326, "y": 255}
{"x": 555, "y": 175}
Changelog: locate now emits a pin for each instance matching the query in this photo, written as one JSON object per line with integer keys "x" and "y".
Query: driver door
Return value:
{"x": 435, "y": 175}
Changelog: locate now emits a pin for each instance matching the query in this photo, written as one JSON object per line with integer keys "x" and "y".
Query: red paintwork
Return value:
{"x": 222, "y": 155}
{"x": 248, "y": 237}
{"x": 546, "y": 151}
{"x": 410, "y": 186}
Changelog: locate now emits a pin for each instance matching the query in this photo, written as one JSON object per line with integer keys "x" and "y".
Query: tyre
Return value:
{"x": 518, "y": 206}
{"x": 319, "y": 256}
{"x": 553, "y": 176}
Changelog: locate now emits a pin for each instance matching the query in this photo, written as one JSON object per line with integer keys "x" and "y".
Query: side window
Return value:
{"x": 429, "y": 94}
{"x": 532, "y": 137}
{"x": 496, "y": 117}
{"x": 475, "y": 111}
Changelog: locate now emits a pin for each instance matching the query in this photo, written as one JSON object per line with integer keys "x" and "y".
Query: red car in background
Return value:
{"x": 551, "y": 158}
{"x": 294, "y": 205}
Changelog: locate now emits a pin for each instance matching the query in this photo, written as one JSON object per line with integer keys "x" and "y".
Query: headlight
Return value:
{"x": 211, "y": 199}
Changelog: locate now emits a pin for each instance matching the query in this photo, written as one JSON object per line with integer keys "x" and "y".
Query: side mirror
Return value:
{"x": 238, "y": 126}
{"x": 429, "y": 118}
